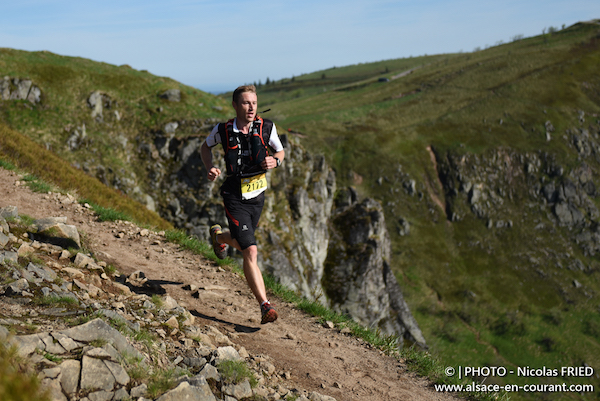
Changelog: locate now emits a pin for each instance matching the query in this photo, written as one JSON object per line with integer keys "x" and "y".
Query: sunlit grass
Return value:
{"x": 194, "y": 245}
{"x": 234, "y": 372}
{"x": 37, "y": 185}
{"x": 46, "y": 170}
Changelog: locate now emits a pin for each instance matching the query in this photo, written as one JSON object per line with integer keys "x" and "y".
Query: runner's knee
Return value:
{"x": 251, "y": 252}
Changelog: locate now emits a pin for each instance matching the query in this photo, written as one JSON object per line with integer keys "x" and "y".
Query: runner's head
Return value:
{"x": 245, "y": 103}
{"x": 242, "y": 89}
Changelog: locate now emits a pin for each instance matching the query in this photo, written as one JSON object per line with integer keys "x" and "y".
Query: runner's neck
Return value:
{"x": 242, "y": 126}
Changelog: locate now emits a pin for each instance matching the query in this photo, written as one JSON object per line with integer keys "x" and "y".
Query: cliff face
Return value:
{"x": 329, "y": 246}
{"x": 533, "y": 213}
{"x": 358, "y": 280}
{"x": 298, "y": 214}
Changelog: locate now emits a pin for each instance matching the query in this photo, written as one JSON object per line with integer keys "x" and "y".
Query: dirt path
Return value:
{"x": 318, "y": 359}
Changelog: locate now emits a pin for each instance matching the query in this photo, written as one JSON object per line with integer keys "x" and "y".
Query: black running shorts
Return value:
{"x": 243, "y": 216}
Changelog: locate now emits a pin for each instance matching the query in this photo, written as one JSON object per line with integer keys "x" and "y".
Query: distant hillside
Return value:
{"x": 486, "y": 165}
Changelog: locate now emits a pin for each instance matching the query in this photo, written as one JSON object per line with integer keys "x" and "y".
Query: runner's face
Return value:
{"x": 245, "y": 108}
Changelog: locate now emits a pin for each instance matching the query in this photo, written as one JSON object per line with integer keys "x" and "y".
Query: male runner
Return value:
{"x": 244, "y": 139}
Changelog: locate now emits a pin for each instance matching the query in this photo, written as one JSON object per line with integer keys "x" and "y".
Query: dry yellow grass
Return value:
{"x": 27, "y": 155}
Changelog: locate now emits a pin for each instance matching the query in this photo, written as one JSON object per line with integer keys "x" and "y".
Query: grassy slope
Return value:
{"x": 455, "y": 103}
{"x": 33, "y": 158}
{"x": 462, "y": 97}
{"x": 66, "y": 84}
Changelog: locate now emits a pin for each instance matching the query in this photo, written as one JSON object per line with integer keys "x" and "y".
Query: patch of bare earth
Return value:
{"x": 317, "y": 358}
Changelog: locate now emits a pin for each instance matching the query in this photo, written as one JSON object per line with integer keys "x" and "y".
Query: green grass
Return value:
{"x": 55, "y": 300}
{"x": 24, "y": 260}
{"x": 37, "y": 185}
{"x": 53, "y": 358}
{"x": 194, "y": 245}
{"x": 235, "y": 372}
{"x": 110, "y": 269}
{"x": 145, "y": 337}
{"x": 25, "y": 220}
{"x": 98, "y": 343}
{"x": 161, "y": 381}
{"x": 110, "y": 214}
{"x": 136, "y": 370}
{"x": 157, "y": 300}
{"x": 7, "y": 165}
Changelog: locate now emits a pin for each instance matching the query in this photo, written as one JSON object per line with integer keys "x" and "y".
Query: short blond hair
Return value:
{"x": 242, "y": 89}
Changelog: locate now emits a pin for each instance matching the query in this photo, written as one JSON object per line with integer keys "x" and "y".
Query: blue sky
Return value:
{"x": 216, "y": 45}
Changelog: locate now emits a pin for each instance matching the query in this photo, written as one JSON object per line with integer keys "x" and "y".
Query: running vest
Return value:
{"x": 236, "y": 162}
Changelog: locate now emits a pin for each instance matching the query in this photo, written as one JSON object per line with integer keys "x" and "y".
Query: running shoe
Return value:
{"x": 268, "y": 313}
{"x": 220, "y": 249}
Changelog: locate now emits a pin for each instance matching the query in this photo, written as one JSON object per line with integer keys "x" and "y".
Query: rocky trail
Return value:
{"x": 306, "y": 355}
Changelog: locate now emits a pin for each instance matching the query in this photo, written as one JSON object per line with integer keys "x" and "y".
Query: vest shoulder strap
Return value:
{"x": 266, "y": 126}
{"x": 226, "y": 133}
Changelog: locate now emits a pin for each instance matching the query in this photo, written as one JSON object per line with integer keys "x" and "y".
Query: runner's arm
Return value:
{"x": 275, "y": 143}
{"x": 212, "y": 172}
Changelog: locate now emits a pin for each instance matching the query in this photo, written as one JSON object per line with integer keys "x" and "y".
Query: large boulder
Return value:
{"x": 55, "y": 231}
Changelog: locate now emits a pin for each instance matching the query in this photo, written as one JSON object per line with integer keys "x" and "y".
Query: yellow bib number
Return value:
{"x": 254, "y": 186}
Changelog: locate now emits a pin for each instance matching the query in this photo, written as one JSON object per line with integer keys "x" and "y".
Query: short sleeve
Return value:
{"x": 214, "y": 137}
{"x": 274, "y": 140}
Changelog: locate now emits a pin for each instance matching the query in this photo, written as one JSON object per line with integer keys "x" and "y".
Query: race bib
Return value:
{"x": 254, "y": 186}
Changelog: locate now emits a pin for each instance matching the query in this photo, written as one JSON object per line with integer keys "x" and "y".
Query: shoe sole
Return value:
{"x": 269, "y": 317}
{"x": 219, "y": 253}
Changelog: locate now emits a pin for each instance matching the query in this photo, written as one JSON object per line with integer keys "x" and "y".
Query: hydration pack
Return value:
{"x": 236, "y": 162}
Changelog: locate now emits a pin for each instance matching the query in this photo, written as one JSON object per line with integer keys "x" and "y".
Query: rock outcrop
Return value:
{"x": 19, "y": 89}
{"x": 551, "y": 206}
{"x": 357, "y": 278}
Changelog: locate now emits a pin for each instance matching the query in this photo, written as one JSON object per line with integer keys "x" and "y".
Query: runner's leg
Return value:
{"x": 250, "y": 264}
{"x": 226, "y": 238}
{"x": 243, "y": 219}
{"x": 253, "y": 274}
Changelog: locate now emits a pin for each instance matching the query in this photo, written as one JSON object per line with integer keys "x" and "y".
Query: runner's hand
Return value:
{"x": 269, "y": 163}
{"x": 213, "y": 173}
